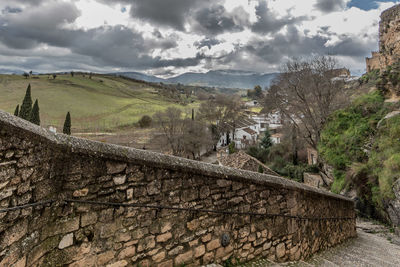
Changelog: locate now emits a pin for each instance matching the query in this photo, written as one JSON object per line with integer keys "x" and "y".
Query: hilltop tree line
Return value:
{"x": 32, "y": 113}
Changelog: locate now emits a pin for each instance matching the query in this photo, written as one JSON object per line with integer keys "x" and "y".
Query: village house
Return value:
{"x": 248, "y": 129}
{"x": 244, "y": 133}
{"x": 251, "y": 103}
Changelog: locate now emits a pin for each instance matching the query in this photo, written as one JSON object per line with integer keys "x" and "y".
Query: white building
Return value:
{"x": 245, "y": 137}
{"x": 276, "y": 138}
{"x": 252, "y": 103}
{"x": 244, "y": 133}
{"x": 271, "y": 121}
{"x": 52, "y": 129}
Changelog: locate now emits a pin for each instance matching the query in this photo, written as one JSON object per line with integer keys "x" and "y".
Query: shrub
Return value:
{"x": 348, "y": 130}
{"x": 145, "y": 121}
{"x": 258, "y": 153}
{"x": 232, "y": 148}
{"x": 260, "y": 169}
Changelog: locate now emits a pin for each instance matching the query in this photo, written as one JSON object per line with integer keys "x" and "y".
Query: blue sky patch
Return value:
{"x": 368, "y": 4}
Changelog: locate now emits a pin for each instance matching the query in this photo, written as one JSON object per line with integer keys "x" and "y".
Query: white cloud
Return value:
{"x": 301, "y": 28}
{"x": 95, "y": 14}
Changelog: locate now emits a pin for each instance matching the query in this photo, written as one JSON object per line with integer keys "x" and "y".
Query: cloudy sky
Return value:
{"x": 169, "y": 37}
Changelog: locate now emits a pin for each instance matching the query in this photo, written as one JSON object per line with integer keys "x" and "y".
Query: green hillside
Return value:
{"x": 363, "y": 149}
{"x": 101, "y": 103}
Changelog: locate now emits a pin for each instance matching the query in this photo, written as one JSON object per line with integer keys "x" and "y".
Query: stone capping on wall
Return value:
{"x": 115, "y": 152}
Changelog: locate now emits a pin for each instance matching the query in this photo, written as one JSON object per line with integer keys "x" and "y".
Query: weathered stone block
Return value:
{"x": 81, "y": 192}
{"x": 88, "y": 219}
{"x": 193, "y": 225}
{"x": 44, "y": 247}
{"x": 280, "y": 250}
{"x": 184, "y": 258}
{"x": 164, "y": 237}
{"x": 213, "y": 244}
{"x": 107, "y": 230}
{"x": 123, "y": 236}
{"x": 15, "y": 233}
{"x": 175, "y": 250}
{"x": 7, "y": 193}
{"x": 106, "y": 215}
{"x": 146, "y": 243}
{"x": 199, "y": 251}
{"x": 115, "y": 167}
{"x": 168, "y": 263}
{"x": 122, "y": 263}
{"x": 62, "y": 226}
{"x": 159, "y": 257}
{"x": 118, "y": 180}
{"x": 154, "y": 187}
{"x": 66, "y": 241}
{"x": 127, "y": 252}
{"x": 165, "y": 227}
{"x": 105, "y": 257}
{"x": 223, "y": 182}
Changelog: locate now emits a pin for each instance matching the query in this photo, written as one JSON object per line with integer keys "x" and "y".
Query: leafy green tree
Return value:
{"x": 67, "y": 124}
{"x": 258, "y": 91}
{"x": 35, "y": 118}
{"x": 26, "y": 107}
{"x": 266, "y": 141}
{"x": 16, "y": 112}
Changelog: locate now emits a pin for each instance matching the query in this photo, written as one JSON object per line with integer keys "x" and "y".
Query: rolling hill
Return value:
{"x": 99, "y": 104}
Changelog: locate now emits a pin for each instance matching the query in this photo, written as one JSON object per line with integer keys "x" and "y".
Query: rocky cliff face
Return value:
{"x": 393, "y": 206}
{"x": 389, "y": 37}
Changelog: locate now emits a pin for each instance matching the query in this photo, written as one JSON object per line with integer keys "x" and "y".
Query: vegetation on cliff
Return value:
{"x": 364, "y": 150}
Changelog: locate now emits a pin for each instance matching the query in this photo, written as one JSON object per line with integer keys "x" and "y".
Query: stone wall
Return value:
{"x": 36, "y": 165}
{"x": 389, "y": 40}
{"x": 374, "y": 62}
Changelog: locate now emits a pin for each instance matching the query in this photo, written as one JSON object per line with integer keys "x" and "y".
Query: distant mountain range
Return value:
{"x": 215, "y": 78}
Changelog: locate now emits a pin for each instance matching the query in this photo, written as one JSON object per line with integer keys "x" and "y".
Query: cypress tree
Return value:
{"x": 26, "y": 107}
{"x": 266, "y": 141}
{"x": 35, "y": 118}
{"x": 16, "y": 112}
{"x": 67, "y": 124}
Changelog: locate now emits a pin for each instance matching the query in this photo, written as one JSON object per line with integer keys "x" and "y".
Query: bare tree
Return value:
{"x": 221, "y": 113}
{"x": 172, "y": 127}
{"x": 184, "y": 136}
{"x": 306, "y": 93}
{"x": 196, "y": 138}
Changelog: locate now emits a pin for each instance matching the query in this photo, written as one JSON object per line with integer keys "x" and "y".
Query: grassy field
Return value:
{"x": 103, "y": 103}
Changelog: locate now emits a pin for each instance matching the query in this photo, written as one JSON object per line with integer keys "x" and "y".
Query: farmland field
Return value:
{"x": 103, "y": 103}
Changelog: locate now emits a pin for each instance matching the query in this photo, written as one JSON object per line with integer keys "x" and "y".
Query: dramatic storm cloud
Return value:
{"x": 169, "y": 37}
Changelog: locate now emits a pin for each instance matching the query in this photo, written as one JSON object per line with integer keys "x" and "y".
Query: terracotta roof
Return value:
{"x": 249, "y": 131}
{"x": 277, "y": 135}
{"x": 241, "y": 160}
